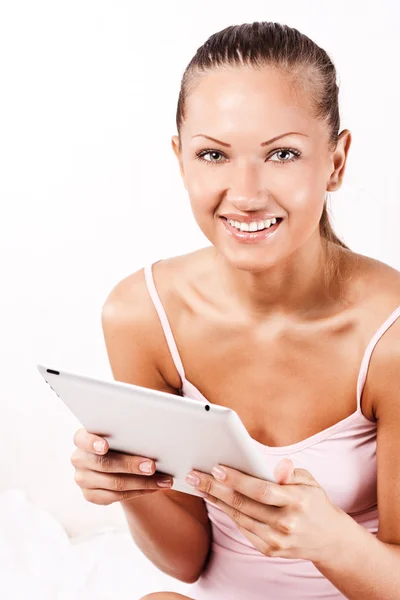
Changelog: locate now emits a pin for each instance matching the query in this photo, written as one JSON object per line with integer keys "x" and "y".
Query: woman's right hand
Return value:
{"x": 107, "y": 476}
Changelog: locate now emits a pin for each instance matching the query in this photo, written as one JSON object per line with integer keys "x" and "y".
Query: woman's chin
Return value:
{"x": 254, "y": 262}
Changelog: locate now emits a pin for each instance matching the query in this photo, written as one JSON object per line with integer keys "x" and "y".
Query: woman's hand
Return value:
{"x": 293, "y": 518}
{"x": 106, "y": 476}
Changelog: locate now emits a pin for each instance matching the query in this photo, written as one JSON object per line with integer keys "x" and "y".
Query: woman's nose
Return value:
{"x": 246, "y": 189}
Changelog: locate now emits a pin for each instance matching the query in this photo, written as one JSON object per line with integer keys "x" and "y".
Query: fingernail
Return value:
{"x": 164, "y": 483}
{"x": 192, "y": 479}
{"x": 219, "y": 473}
{"x": 146, "y": 466}
{"x": 99, "y": 446}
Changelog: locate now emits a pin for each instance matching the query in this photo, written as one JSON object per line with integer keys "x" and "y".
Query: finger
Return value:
{"x": 270, "y": 545}
{"x": 118, "y": 462}
{"x": 113, "y": 462}
{"x": 118, "y": 482}
{"x": 283, "y": 471}
{"x": 265, "y": 492}
{"x": 105, "y": 497}
{"x": 85, "y": 441}
{"x": 235, "y": 513}
{"x": 241, "y": 508}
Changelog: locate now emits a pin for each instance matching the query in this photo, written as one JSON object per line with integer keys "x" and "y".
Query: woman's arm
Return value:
{"x": 367, "y": 566}
{"x": 171, "y": 528}
{"x": 169, "y": 534}
{"x": 364, "y": 567}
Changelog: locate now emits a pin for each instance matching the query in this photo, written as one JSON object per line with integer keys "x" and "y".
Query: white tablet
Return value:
{"x": 177, "y": 432}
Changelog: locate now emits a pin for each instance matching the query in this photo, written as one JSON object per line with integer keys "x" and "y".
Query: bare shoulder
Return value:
{"x": 129, "y": 315}
{"x": 130, "y": 297}
{"x": 381, "y": 273}
{"x": 381, "y": 290}
{"x": 381, "y": 287}
{"x": 129, "y": 323}
{"x": 129, "y": 308}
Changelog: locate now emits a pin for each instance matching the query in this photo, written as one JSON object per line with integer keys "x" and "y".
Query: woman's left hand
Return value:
{"x": 293, "y": 518}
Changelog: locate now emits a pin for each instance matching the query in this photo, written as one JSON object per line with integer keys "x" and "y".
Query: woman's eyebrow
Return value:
{"x": 262, "y": 144}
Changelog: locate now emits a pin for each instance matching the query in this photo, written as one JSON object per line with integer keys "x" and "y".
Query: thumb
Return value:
{"x": 286, "y": 473}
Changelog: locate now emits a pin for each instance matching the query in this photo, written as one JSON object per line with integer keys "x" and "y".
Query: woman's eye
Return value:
{"x": 200, "y": 155}
{"x": 284, "y": 152}
{"x": 215, "y": 153}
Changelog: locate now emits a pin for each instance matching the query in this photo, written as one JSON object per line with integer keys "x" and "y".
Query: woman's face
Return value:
{"x": 250, "y": 180}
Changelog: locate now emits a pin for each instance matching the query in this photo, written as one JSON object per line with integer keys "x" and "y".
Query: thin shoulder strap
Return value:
{"x": 148, "y": 273}
{"x": 367, "y": 355}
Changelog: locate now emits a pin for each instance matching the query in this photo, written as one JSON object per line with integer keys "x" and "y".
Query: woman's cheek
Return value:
{"x": 202, "y": 184}
{"x": 204, "y": 198}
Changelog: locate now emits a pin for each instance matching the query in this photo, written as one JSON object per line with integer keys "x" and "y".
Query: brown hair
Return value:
{"x": 264, "y": 43}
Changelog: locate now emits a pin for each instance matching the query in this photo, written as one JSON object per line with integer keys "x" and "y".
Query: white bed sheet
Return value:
{"x": 38, "y": 560}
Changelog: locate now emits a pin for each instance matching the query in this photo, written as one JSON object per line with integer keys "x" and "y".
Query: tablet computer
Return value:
{"x": 178, "y": 433}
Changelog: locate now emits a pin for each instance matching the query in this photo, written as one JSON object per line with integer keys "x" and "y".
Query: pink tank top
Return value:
{"x": 342, "y": 459}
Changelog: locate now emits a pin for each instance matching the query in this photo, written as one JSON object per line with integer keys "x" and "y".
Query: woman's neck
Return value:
{"x": 297, "y": 288}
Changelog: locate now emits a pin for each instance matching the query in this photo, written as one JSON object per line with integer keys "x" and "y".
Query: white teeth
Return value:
{"x": 254, "y": 225}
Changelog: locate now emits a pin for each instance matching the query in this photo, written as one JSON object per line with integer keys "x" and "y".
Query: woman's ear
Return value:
{"x": 178, "y": 154}
{"x": 339, "y": 159}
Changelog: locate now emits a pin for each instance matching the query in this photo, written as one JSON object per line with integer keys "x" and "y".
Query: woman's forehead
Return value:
{"x": 267, "y": 82}
{"x": 245, "y": 96}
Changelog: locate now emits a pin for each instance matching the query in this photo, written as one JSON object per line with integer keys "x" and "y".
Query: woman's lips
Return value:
{"x": 249, "y": 237}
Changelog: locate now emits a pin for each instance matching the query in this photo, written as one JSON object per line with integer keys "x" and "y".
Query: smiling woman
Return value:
{"x": 239, "y": 82}
{"x": 278, "y": 320}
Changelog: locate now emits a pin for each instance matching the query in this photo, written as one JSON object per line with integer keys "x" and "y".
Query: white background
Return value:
{"x": 90, "y": 190}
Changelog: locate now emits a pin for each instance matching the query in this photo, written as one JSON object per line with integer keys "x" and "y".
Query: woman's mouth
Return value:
{"x": 249, "y": 237}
